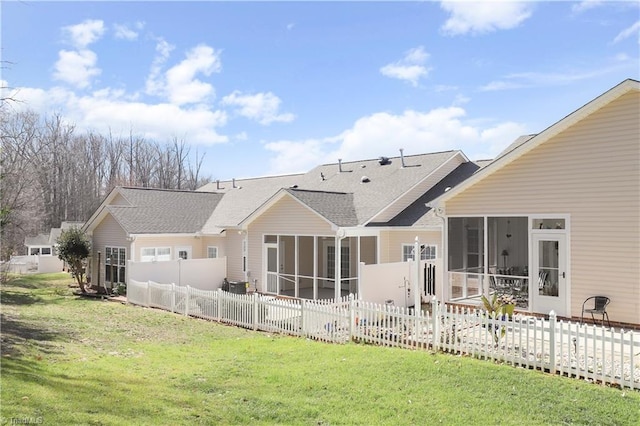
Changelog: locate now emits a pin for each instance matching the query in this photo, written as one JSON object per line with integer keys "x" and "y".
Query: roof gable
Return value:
{"x": 524, "y": 144}
{"x": 159, "y": 211}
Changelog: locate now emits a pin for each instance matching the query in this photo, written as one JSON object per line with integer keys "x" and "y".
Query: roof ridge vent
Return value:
{"x": 383, "y": 161}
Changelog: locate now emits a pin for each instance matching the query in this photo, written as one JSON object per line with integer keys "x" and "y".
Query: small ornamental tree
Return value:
{"x": 74, "y": 248}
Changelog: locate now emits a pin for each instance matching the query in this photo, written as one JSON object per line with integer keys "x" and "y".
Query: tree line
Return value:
{"x": 51, "y": 172}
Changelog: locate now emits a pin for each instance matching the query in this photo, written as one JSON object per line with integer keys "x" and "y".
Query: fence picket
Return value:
{"x": 564, "y": 348}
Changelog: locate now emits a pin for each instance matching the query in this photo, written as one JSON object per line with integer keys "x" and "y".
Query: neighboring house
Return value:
{"x": 45, "y": 244}
{"x": 555, "y": 218}
{"x": 295, "y": 235}
{"x": 41, "y": 251}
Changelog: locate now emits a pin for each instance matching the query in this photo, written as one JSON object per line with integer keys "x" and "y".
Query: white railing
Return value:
{"x": 591, "y": 352}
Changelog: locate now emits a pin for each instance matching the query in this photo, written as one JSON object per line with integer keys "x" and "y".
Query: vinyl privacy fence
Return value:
{"x": 582, "y": 351}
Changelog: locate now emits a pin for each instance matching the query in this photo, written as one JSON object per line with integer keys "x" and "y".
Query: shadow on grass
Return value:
{"x": 18, "y": 334}
{"x": 9, "y": 297}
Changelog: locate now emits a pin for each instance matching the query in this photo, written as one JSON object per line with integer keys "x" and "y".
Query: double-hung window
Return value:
{"x": 212, "y": 252}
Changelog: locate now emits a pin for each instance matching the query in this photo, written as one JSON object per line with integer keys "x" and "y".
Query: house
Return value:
{"x": 555, "y": 218}
{"x": 301, "y": 235}
{"x": 41, "y": 252}
{"x": 45, "y": 244}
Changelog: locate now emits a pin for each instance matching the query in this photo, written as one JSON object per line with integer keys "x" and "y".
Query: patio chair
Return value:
{"x": 599, "y": 307}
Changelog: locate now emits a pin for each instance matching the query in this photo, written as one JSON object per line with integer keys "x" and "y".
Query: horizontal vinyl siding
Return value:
{"x": 592, "y": 172}
{"x": 395, "y": 240}
{"x": 234, "y": 256}
{"x": 107, "y": 233}
{"x": 220, "y": 242}
{"x": 285, "y": 217}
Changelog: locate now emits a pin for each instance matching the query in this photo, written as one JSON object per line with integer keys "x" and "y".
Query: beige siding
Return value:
{"x": 107, "y": 233}
{"x": 591, "y": 171}
{"x": 234, "y": 256}
{"x": 393, "y": 241}
{"x": 285, "y": 217}
{"x": 220, "y": 242}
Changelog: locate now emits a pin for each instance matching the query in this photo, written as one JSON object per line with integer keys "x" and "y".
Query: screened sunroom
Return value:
{"x": 488, "y": 255}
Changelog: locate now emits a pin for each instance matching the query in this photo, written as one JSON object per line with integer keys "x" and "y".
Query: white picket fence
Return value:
{"x": 588, "y": 352}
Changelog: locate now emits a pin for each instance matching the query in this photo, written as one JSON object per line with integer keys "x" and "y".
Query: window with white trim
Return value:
{"x": 212, "y": 252}
{"x": 115, "y": 260}
{"x": 155, "y": 254}
{"x": 427, "y": 252}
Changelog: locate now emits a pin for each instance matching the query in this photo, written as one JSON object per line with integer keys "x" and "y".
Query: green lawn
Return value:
{"x": 68, "y": 361}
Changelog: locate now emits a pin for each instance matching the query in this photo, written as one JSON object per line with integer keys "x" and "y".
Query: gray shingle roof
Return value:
{"x": 418, "y": 214}
{"x": 155, "y": 211}
{"x": 337, "y": 207}
{"x": 386, "y": 183}
{"x": 38, "y": 240}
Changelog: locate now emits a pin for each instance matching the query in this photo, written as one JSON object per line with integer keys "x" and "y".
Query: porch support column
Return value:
{"x": 338, "y": 258}
{"x": 416, "y": 278}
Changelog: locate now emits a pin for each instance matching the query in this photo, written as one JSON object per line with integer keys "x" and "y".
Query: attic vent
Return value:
{"x": 293, "y": 186}
{"x": 383, "y": 161}
{"x": 447, "y": 188}
{"x": 364, "y": 179}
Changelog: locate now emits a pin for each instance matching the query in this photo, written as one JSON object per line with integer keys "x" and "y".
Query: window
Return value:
{"x": 427, "y": 252}
{"x": 212, "y": 252}
{"x": 46, "y": 251}
{"x": 155, "y": 254}
{"x": 115, "y": 261}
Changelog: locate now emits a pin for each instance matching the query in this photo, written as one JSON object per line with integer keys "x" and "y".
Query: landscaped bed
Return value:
{"x": 70, "y": 360}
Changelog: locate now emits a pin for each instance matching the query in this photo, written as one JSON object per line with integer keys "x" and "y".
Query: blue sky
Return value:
{"x": 267, "y": 88}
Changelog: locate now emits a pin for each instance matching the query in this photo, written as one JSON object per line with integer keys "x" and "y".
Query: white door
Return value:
{"x": 271, "y": 260}
{"x": 549, "y": 287}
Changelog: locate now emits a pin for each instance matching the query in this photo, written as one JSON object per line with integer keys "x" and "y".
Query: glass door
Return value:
{"x": 271, "y": 257}
{"x": 549, "y": 273}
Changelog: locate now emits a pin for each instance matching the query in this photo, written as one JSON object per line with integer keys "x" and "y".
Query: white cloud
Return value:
{"x": 109, "y": 110}
{"x": 261, "y": 107}
{"x": 76, "y": 67}
{"x": 123, "y": 32}
{"x": 585, "y": 5}
{"x": 479, "y": 17}
{"x": 85, "y": 33}
{"x": 410, "y": 68}
{"x": 179, "y": 83}
{"x": 536, "y": 79}
{"x": 628, "y": 32}
{"x": 383, "y": 134}
{"x": 154, "y": 84}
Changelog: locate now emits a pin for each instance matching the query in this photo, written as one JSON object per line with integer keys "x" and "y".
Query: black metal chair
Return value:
{"x": 600, "y": 304}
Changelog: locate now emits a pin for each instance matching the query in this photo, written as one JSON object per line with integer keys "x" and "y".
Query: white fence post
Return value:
{"x": 148, "y": 293}
{"x": 552, "y": 341}
{"x": 219, "y": 305}
{"x": 435, "y": 322}
{"x": 173, "y": 297}
{"x": 302, "y": 325}
{"x": 186, "y": 301}
{"x": 352, "y": 316}
{"x": 255, "y": 311}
